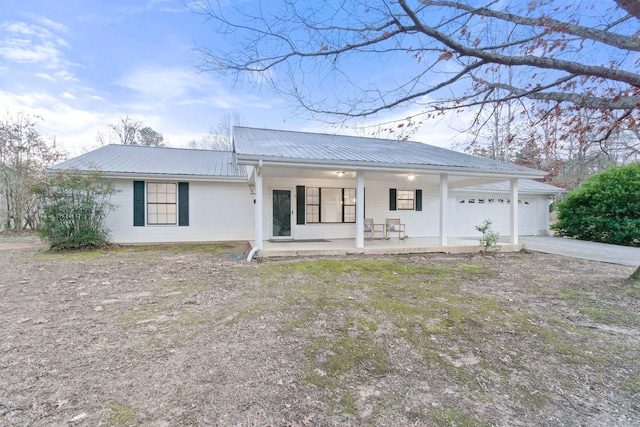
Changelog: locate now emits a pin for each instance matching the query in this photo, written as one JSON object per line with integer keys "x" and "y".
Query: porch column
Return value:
{"x": 360, "y": 209}
{"x": 259, "y": 203}
{"x": 444, "y": 202}
{"x": 514, "y": 211}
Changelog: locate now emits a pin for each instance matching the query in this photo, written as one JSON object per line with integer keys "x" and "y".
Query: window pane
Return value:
{"x": 313, "y": 195}
{"x": 152, "y": 193}
{"x": 331, "y": 205}
{"x": 405, "y": 199}
{"x": 349, "y": 214}
{"x": 405, "y": 204}
{"x": 313, "y": 213}
{"x": 349, "y": 196}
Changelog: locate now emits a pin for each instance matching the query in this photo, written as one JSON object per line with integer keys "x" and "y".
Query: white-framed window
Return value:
{"x": 162, "y": 203}
{"x": 406, "y": 200}
{"x": 313, "y": 204}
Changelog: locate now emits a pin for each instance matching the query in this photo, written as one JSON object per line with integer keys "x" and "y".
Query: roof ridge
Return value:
{"x": 332, "y": 134}
{"x": 167, "y": 148}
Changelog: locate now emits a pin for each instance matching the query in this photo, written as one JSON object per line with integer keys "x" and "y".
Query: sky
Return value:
{"x": 82, "y": 64}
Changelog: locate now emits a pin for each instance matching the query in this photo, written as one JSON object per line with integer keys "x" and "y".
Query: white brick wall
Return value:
{"x": 217, "y": 211}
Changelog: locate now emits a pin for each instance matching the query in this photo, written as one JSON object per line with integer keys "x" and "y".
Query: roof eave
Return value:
{"x": 185, "y": 177}
{"x": 385, "y": 167}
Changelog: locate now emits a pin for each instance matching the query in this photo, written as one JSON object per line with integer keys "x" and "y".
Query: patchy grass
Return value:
{"x": 121, "y": 414}
{"x": 191, "y": 337}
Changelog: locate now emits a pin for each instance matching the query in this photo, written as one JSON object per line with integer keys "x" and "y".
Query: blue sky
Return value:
{"x": 81, "y": 64}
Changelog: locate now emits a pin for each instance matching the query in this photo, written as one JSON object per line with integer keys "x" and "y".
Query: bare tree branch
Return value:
{"x": 448, "y": 54}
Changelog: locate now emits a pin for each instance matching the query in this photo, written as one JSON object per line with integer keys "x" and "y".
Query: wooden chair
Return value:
{"x": 393, "y": 225}
{"x": 372, "y": 229}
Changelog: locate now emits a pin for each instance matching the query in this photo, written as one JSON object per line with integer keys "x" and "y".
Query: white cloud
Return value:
{"x": 161, "y": 83}
{"x": 45, "y": 76}
{"x": 68, "y": 95}
{"x": 73, "y": 127}
{"x": 156, "y": 85}
{"x": 25, "y": 43}
{"x": 55, "y": 26}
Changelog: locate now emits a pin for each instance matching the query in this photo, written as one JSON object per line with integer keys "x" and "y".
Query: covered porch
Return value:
{"x": 313, "y": 193}
{"x": 336, "y": 247}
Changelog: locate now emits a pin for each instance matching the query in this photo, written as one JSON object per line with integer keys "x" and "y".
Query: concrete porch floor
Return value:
{"x": 332, "y": 247}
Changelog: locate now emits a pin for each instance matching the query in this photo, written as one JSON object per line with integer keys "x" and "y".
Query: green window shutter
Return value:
{"x": 393, "y": 196}
{"x": 183, "y": 203}
{"x": 300, "y": 204}
{"x": 138, "y": 203}
{"x": 418, "y": 200}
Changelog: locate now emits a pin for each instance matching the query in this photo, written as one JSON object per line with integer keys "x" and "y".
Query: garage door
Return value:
{"x": 472, "y": 210}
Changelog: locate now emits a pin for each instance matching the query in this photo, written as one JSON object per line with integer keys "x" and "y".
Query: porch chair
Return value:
{"x": 393, "y": 225}
{"x": 372, "y": 229}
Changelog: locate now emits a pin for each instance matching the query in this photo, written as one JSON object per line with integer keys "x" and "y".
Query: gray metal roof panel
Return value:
{"x": 278, "y": 144}
{"x": 132, "y": 159}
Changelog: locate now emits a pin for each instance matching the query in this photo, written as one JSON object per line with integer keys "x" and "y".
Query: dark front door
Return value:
{"x": 281, "y": 213}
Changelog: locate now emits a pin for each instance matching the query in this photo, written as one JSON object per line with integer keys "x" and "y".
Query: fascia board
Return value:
{"x": 192, "y": 178}
{"x": 377, "y": 167}
{"x": 520, "y": 191}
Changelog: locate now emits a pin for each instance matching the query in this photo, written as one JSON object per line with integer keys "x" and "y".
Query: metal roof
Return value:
{"x": 140, "y": 160}
{"x": 253, "y": 144}
{"x": 524, "y": 186}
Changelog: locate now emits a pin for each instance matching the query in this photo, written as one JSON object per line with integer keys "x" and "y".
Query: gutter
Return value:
{"x": 370, "y": 166}
{"x": 129, "y": 175}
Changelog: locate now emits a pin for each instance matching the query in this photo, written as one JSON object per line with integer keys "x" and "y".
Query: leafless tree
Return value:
{"x": 220, "y": 137}
{"x": 130, "y": 131}
{"x": 24, "y": 154}
{"x": 565, "y": 56}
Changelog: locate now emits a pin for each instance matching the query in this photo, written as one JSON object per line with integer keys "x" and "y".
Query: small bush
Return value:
{"x": 74, "y": 208}
{"x": 489, "y": 236}
{"x": 606, "y": 208}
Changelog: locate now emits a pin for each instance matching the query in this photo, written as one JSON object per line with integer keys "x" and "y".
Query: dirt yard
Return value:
{"x": 180, "y": 336}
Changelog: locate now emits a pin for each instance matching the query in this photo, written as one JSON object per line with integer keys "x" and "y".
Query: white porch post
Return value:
{"x": 444, "y": 202}
{"x": 514, "y": 211}
{"x": 359, "y": 209}
{"x": 259, "y": 203}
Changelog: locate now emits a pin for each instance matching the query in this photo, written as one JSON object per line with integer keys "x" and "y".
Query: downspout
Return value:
{"x": 258, "y": 235}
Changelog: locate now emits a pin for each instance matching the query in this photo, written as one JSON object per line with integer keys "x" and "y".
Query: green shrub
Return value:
{"x": 489, "y": 236}
{"x": 74, "y": 207}
{"x": 606, "y": 208}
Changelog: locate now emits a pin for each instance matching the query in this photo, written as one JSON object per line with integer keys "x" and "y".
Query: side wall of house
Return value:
{"x": 218, "y": 211}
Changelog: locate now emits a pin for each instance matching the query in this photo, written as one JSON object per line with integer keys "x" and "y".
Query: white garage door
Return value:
{"x": 472, "y": 210}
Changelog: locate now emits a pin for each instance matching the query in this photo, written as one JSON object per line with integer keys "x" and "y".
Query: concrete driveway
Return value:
{"x": 614, "y": 254}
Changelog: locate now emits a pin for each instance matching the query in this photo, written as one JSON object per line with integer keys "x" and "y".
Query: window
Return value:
{"x": 325, "y": 205}
{"x": 162, "y": 203}
{"x": 405, "y": 200}
{"x": 349, "y": 203}
{"x": 313, "y": 204}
